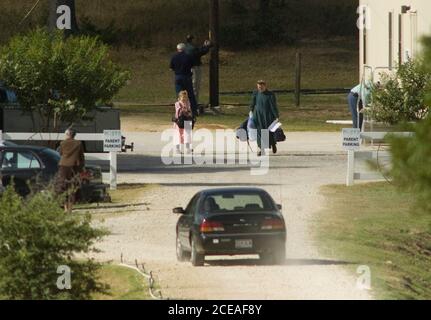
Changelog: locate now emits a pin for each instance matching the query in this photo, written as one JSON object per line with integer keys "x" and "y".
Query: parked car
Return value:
{"x": 32, "y": 168}
{"x": 231, "y": 221}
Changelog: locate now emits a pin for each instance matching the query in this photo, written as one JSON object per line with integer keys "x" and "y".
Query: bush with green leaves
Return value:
{"x": 401, "y": 95}
{"x": 411, "y": 156}
{"x": 36, "y": 239}
{"x": 61, "y": 79}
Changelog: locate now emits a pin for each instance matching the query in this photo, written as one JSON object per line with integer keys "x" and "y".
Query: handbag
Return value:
{"x": 182, "y": 119}
{"x": 279, "y": 135}
{"x": 241, "y": 132}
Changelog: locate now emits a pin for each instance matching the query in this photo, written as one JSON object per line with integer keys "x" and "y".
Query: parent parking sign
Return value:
{"x": 112, "y": 141}
{"x": 351, "y": 139}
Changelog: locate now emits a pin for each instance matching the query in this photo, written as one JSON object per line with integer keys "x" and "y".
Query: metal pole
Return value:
{"x": 113, "y": 170}
{"x": 350, "y": 181}
{"x": 214, "y": 57}
{"x": 298, "y": 70}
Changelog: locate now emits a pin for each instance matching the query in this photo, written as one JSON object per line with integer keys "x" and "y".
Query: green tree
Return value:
{"x": 60, "y": 79}
{"x": 36, "y": 238}
{"x": 401, "y": 96}
{"x": 411, "y": 164}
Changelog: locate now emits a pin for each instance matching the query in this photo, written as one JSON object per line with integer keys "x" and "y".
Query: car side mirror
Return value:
{"x": 178, "y": 210}
{"x": 279, "y": 206}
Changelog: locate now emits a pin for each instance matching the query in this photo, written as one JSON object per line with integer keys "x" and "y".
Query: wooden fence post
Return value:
{"x": 298, "y": 70}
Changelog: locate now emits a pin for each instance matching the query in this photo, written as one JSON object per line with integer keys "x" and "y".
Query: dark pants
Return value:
{"x": 186, "y": 83}
{"x": 353, "y": 107}
{"x": 68, "y": 182}
{"x": 265, "y": 144}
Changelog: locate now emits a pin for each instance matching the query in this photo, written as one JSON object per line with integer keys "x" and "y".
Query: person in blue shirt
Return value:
{"x": 358, "y": 98}
{"x": 182, "y": 64}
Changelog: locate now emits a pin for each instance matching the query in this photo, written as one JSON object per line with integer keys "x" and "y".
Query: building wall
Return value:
{"x": 379, "y": 54}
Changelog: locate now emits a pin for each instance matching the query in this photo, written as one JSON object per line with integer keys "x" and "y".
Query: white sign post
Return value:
{"x": 112, "y": 144}
{"x": 351, "y": 143}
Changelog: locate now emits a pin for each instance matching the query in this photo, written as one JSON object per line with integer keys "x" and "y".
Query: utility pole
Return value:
{"x": 62, "y": 16}
{"x": 214, "y": 58}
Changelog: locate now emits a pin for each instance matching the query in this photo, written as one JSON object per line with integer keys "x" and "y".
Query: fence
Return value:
{"x": 378, "y": 155}
{"x": 156, "y": 294}
{"x": 111, "y": 156}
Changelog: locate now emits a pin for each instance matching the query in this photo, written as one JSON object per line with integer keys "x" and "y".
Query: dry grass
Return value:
{"x": 125, "y": 284}
{"x": 374, "y": 225}
{"x": 325, "y": 65}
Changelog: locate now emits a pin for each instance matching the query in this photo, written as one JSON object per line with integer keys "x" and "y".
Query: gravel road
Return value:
{"x": 304, "y": 163}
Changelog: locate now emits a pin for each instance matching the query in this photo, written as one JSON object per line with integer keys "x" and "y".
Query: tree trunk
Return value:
{"x": 62, "y": 16}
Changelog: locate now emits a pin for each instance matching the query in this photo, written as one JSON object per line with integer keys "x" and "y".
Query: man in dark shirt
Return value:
{"x": 182, "y": 64}
{"x": 197, "y": 53}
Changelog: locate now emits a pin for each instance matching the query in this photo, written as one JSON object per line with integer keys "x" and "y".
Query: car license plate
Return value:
{"x": 243, "y": 244}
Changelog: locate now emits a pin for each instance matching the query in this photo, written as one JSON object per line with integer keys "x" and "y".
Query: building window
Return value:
{"x": 400, "y": 39}
{"x": 391, "y": 45}
{"x": 364, "y": 32}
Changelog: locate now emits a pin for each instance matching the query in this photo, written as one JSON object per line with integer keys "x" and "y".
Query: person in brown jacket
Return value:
{"x": 71, "y": 164}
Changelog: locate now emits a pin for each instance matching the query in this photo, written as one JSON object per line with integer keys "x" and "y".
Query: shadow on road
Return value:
{"x": 152, "y": 164}
{"x": 288, "y": 262}
{"x": 209, "y": 184}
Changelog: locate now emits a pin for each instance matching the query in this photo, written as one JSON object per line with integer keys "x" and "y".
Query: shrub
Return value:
{"x": 411, "y": 156}
{"x": 60, "y": 79}
{"x": 401, "y": 96}
{"x": 36, "y": 238}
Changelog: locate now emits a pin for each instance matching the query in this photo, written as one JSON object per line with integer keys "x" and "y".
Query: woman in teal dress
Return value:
{"x": 265, "y": 112}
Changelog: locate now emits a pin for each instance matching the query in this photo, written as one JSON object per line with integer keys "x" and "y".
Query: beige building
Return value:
{"x": 390, "y": 33}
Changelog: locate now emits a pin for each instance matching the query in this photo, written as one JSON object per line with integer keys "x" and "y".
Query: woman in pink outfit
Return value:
{"x": 182, "y": 108}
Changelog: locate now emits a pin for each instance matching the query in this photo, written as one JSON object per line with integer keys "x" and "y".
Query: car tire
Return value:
{"x": 197, "y": 259}
{"x": 266, "y": 258}
{"x": 280, "y": 255}
{"x": 182, "y": 255}
{"x": 274, "y": 257}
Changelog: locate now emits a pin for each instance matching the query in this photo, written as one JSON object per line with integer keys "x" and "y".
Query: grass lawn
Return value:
{"x": 326, "y": 64}
{"x": 124, "y": 283}
{"x": 130, "y": 193}
{"x": 311, "y": 116}
{"x": 375, "y": 225}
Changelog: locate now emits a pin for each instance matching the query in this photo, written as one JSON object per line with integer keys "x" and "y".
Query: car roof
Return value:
{"x": 232, "y": 190}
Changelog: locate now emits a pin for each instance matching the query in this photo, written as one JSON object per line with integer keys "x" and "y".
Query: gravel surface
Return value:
{"x": 304, "y": 163}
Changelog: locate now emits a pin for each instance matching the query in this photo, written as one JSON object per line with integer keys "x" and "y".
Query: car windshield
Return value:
{"x": 237, "y": 202}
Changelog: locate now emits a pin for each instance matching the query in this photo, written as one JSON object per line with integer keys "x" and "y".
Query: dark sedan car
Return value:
{"x": 33, "y": 167}
{"x": 231, "y": 221}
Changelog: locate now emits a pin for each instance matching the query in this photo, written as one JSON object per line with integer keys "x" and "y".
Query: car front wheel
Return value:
{"x": 197, "y": 258}
{"x": 182, "y": 255}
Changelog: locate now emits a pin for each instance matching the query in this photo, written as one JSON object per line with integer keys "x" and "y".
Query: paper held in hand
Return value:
{"x": 274, "y": 126}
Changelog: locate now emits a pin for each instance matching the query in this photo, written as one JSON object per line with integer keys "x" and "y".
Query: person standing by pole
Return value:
{"x": 197, "y": 54}
{"x": 265, "y": 112}
{"x": 71, "y": 164}
{"x": 182, "y": 64}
